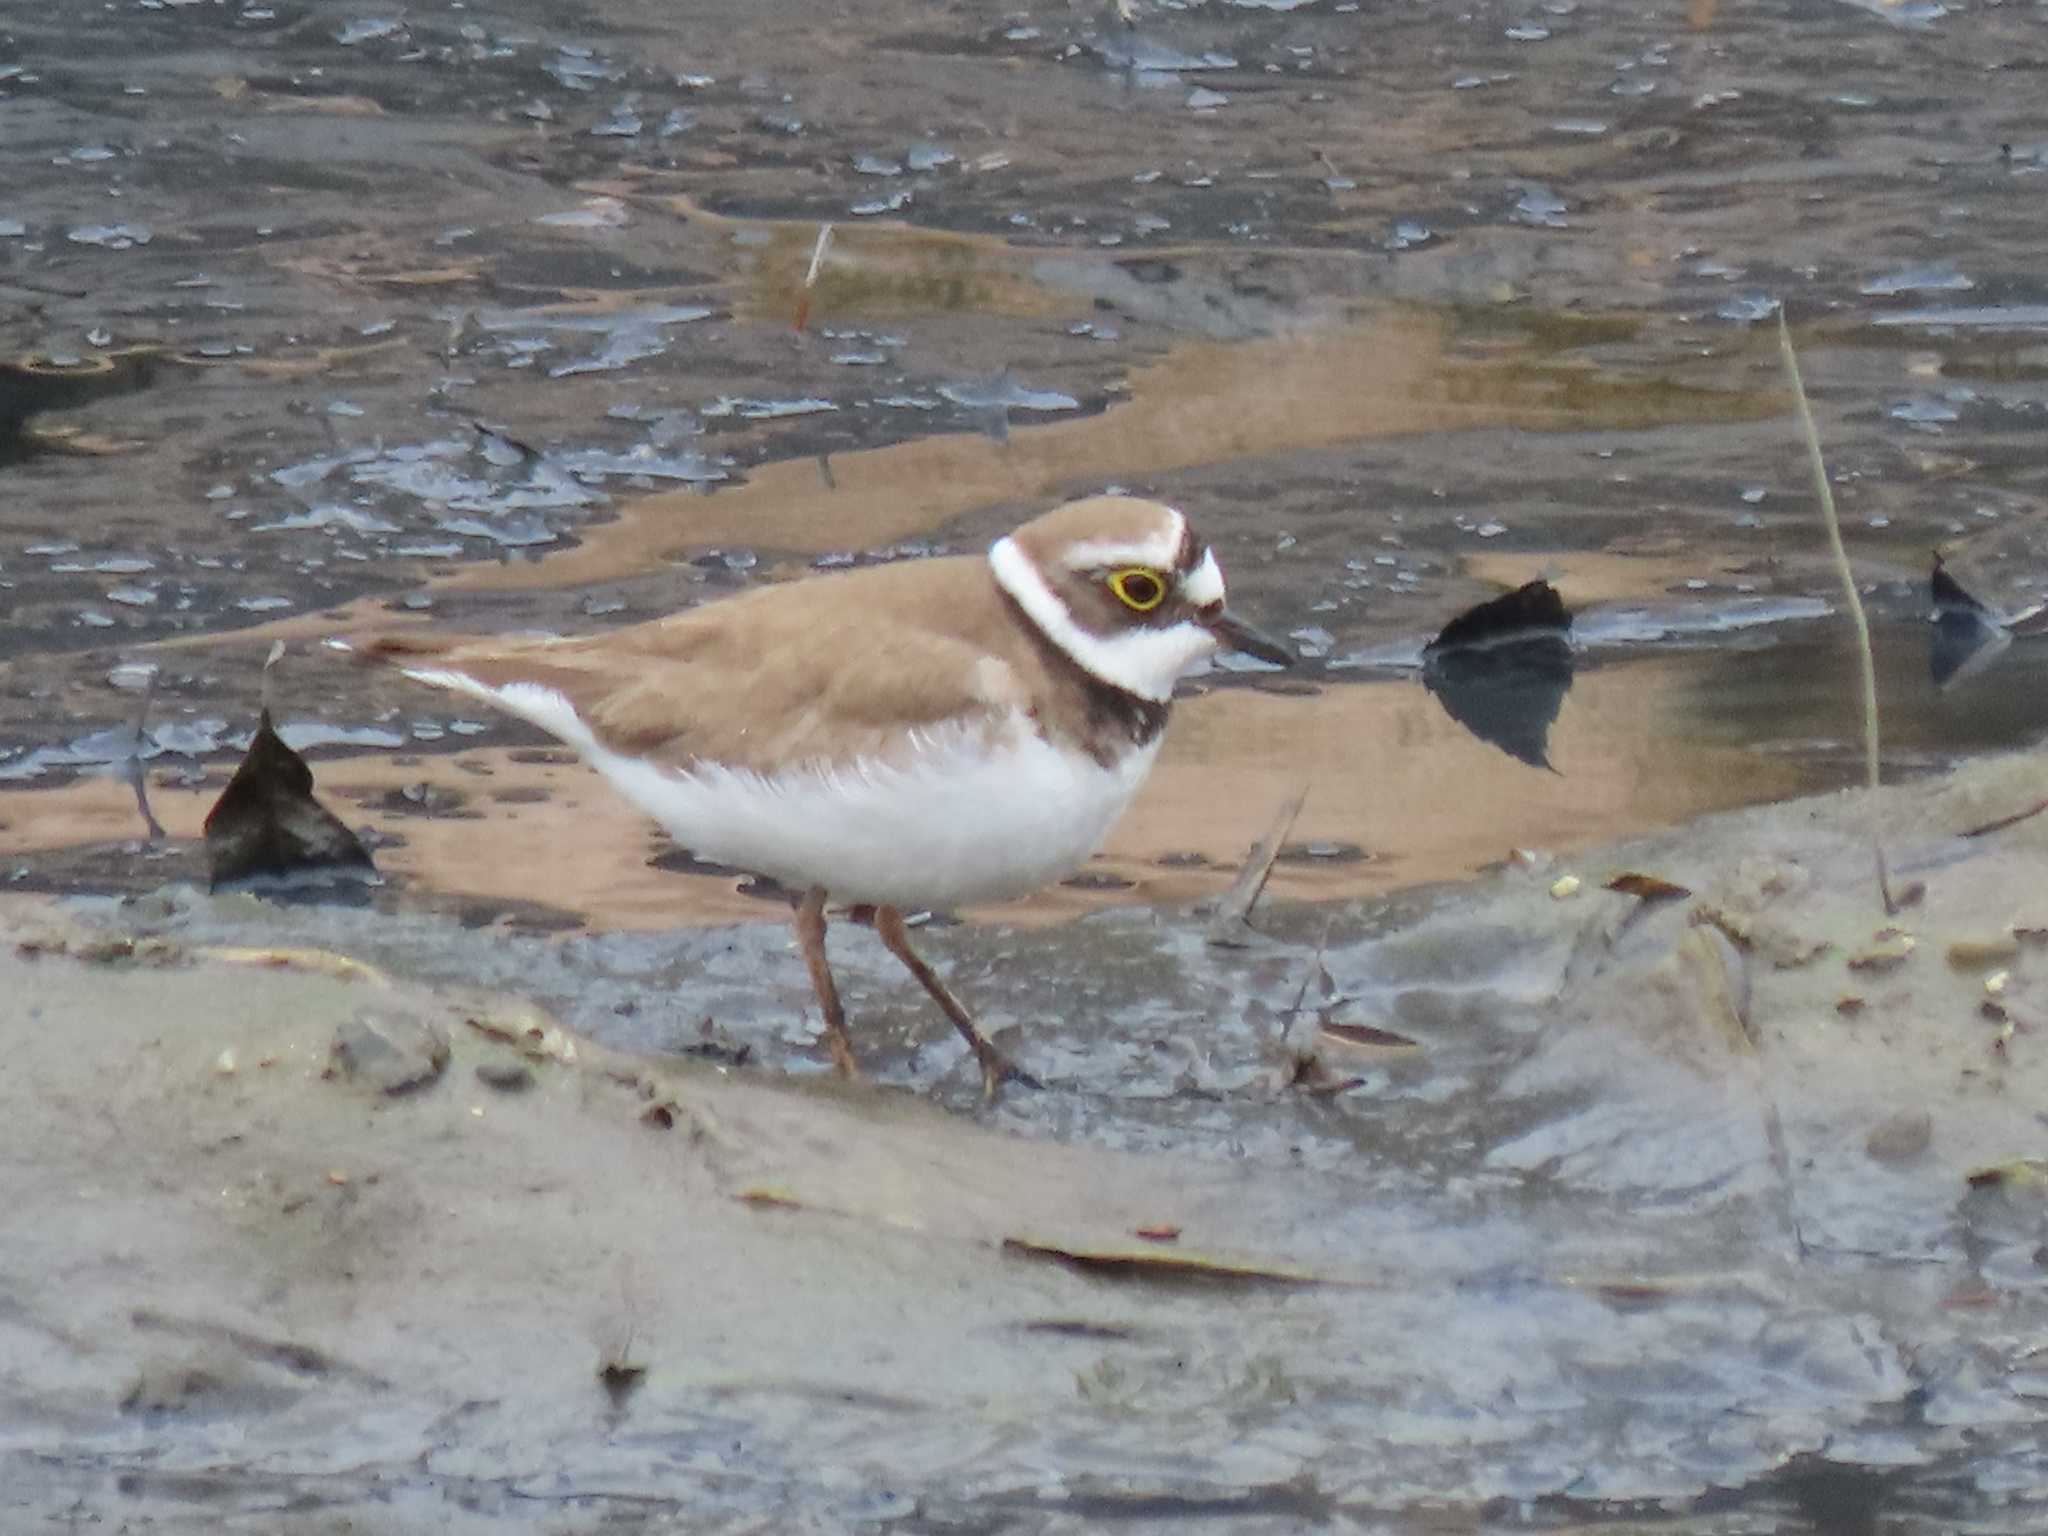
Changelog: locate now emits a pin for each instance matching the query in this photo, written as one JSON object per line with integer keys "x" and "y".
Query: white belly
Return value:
{"x": 961, "y": 823}
{"x": 966, "y": 817}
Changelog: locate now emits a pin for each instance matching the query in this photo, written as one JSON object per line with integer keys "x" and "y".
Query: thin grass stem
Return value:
{"x": 1864, "y": 657}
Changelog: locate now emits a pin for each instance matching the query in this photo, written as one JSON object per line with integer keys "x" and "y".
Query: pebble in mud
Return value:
{"x": 504, "y": 1076}
{"x": 388, "y": 1051}
{"x": 1981, "y": 954}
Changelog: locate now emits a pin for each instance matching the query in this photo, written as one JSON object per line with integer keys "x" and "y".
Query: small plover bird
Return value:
{"x": 892, "y": 738}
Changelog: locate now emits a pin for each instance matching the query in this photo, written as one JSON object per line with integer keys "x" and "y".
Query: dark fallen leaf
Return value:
{"x": 1950, "y": 593}
{"x": 1177, "y": 1268}
{"x": 1533, "y": 606}
{"x": 1502, "y": 670}
{"x": 1366, "y": 1037}
{"x": 769, "y": 1196}
{"x": 1648, "y": 888}
{"x": 1633, "y": 1295}
{"x": 267, "y": 825}
{"x": 1077, "y": 1328}
{"x": 620, "y": 1380}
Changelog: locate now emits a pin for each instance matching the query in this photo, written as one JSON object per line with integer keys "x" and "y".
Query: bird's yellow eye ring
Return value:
{"x": 1138, "y": 589}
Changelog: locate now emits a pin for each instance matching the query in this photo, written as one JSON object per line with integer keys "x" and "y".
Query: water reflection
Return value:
{"x": 1799, "y": 697}
{"x": 1966, "y": 636}
{"x": 31, "y": 386}
{"x": 1429, "y": 782}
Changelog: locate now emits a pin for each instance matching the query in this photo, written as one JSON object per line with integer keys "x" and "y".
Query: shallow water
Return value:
{"x": 485, "y": 316}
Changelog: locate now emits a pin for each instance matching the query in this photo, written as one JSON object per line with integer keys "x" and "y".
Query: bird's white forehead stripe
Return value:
{"x": 1160, "y": 551}
{"x": 1204, "y": 584}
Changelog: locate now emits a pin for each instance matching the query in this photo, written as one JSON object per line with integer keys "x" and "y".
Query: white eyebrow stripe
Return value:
{"x": 1161, "y": 552}
{"x": 1204, "y": 584}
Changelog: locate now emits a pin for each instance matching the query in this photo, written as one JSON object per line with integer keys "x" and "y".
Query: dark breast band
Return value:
{"x": 1116, "y": 720}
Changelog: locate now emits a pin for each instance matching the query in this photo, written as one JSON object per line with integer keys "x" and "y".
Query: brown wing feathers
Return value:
{"x": 761, "y": 679}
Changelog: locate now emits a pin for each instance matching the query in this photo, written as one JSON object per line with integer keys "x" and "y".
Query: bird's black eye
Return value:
{"x": 1138, "y": 589}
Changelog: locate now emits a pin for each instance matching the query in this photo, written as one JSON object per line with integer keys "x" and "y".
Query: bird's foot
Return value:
{"x": 840, "y": 1049}
{"x": 997, "y": 1069}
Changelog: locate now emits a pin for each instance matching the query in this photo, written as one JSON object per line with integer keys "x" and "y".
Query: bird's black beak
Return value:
{"x": 1236, "y": 635}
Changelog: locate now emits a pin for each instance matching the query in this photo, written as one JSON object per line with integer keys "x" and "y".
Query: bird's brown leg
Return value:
{"x": 810, "y": 935}
{"x": 996, "y": 1068}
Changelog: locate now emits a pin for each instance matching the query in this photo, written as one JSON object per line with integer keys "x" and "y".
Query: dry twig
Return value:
{"x": 1854, "y": 599}
{"x": 1228, "y": 927}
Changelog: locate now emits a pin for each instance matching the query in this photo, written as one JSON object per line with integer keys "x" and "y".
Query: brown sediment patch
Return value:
{"x": 874, "y": 267}
{"x": 1203, "y": 403}
{"x": 344, "y": 266}
{"x": 1586, "y": 577}
{"x": 323, "y": 106}
{"x": 79, "y": 443}
{"x": 1388, "y": 771}
{"x": 890, "y": 269}
{"x": 320, "y": 360}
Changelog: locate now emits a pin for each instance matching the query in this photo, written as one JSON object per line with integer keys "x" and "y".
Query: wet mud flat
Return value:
{"x": 1677, "y": 1186}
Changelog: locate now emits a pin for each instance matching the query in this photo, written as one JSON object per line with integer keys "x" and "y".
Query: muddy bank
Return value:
{"x": 1527, "y": 1200}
